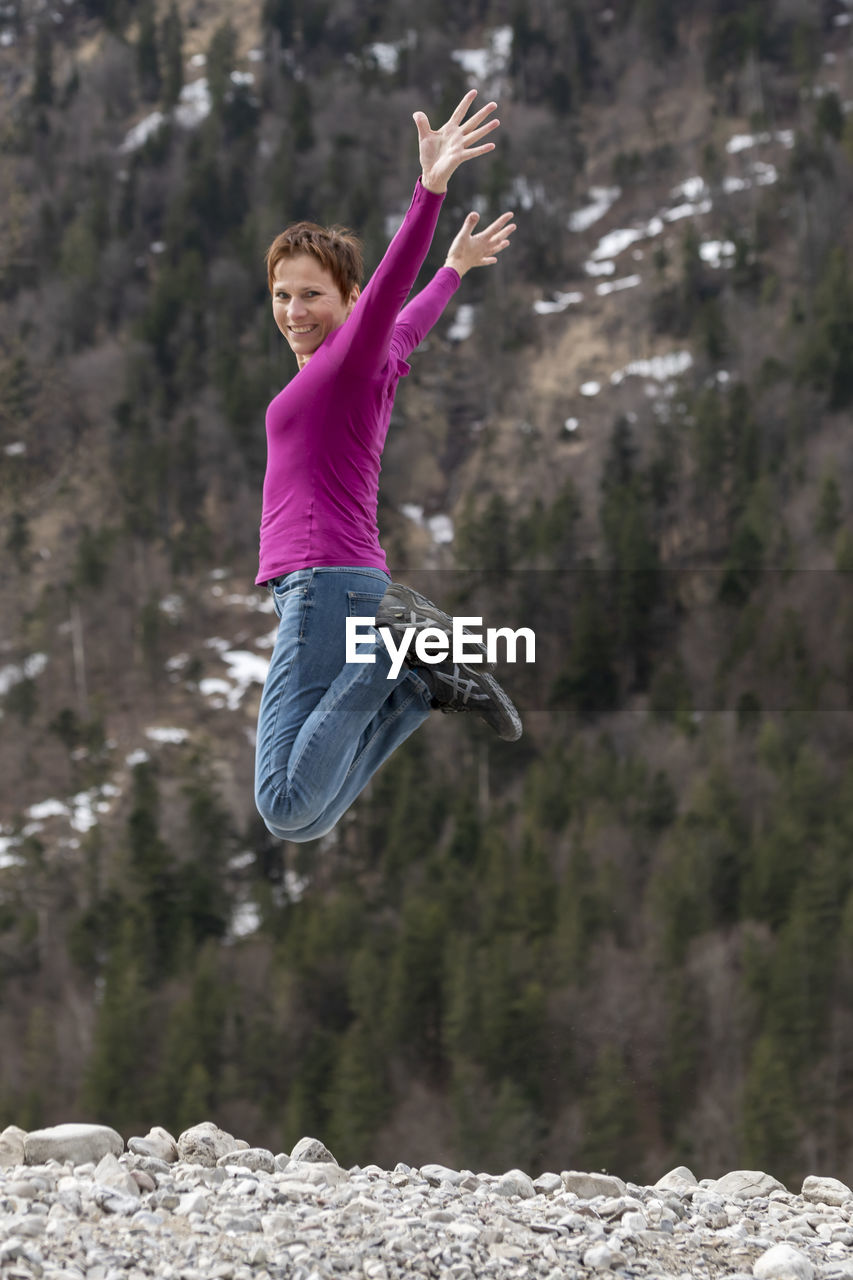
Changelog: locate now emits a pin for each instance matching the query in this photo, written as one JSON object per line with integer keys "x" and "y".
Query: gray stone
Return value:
{"x": 681, "y": 1181}
{"x": 601, "y": 1257}
{"x": 255, "y": 1158}
{"x": 158, "y": 1143}
{"x": 548, "y": 1183}
{"x": 825, "y": 1190}
{"x": 435, "y": 1174}
{"x": 110, "y": 1173}
{"x": 312, "y": 1150}
{"x": 192, "y": 1202}
{"x": 330, "y": 1175}
{"x": 516, "y": 1183}
{"x": 24, "y": 1188}
{"x": 151, "y": 1165}
{"x": 14, "y": 1250}
{"x": 586, "y": 1186}
{"x": 277, "y": 1223}
{"x": 30, "y": 1225}
{"x": 783, "y": 1262}
{"x": 747, "y": 1184}
{"x": 633, "y": 1221}
{"x": 12, "y": 1147}
{"x": 204, "y": 1144}
{"x": 72, "y": 1143}
{"x": 115, "y": 1201}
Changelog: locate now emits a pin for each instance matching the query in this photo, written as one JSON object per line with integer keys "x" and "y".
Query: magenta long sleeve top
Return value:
{"x": 326, "y": 429}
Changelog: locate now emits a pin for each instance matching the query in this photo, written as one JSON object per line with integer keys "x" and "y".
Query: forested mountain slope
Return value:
{"x": 626, "y": 941}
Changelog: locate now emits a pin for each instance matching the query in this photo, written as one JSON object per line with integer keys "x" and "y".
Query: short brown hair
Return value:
{"x": 336, "y": 248}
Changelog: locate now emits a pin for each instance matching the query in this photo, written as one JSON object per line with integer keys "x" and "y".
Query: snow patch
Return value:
{"x": 599, "y": 268}
{"x": 602, "y": 200}
{"x": 483, "y": 64}
{"x": 245, "y": 920}
{"x": 15, "y": 673}
{"x": 194, "y": 104}
{"x": 661, "y": 368}
{"x": 386, "y": 56}
{"x": 463, "y": 323}
{"x": 47, "y": 809}
{"x": 692, "y": 189}
{"x": 714, "y": 251}
{"x": 441, "y": 528}
{"x": 616, "y": 286}
{"x": 244, "y": 669}
{"x": 688, "y": 210}
{"x": 560, "y": 302}
{"x": 615, "y": 242}
{"x": 525, "y": 193}
{"x": 166, "y": 735}
{"x": 745, "y": 141}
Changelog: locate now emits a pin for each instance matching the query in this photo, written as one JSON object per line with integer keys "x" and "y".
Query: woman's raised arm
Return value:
{"x": 366, "y": 337}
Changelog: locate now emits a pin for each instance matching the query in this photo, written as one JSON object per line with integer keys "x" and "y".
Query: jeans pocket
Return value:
{"x": 363, "y": 604}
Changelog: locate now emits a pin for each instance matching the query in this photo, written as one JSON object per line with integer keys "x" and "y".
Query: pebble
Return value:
{"x": 783, "y": 1262}
{"x": 826, "y": 1191}
{"x": 175, "y": 1209}
{"x": 747, "y": 1184}
{"x": 11, "y": 1147}
{"x": 588, "y": 1185}
{"x": 204, "y": 1144}
{"x": 158, "y": 1143}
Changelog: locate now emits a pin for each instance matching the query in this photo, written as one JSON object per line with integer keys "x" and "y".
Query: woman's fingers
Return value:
{"x": 477, "y": 134}
{"x": 498, "y": 224}
{"x": 476, "y": 151}
{"x": 478, "y": 117}
{"x": 463, "y": 106}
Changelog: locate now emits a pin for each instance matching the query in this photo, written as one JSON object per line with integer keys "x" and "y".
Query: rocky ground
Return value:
{"x": 74, "y": 1203}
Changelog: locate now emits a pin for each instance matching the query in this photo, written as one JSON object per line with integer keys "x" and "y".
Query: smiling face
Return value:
{"x": 307, "y": 304}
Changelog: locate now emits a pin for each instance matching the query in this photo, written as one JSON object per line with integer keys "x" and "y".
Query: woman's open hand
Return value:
{"x": 443, "y": 150}
{"x": 469, "y": 250}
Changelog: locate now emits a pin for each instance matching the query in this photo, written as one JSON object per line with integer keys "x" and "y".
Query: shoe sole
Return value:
{"x": 508, "y": 725}
{"x": 487, "y": 699}
{"x": 408, "y": 608}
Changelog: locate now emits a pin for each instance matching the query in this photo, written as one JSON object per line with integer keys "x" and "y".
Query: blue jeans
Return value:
{"x": 326, "y": 725}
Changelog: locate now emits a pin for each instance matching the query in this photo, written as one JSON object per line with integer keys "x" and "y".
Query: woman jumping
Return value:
{"x": 326, "y": 724}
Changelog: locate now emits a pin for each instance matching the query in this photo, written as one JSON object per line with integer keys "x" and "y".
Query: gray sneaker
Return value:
{"x": 403, "y": 607}
{"x": 455, "y": 686}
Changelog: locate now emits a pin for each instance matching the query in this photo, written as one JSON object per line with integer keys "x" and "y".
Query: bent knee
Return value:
{"x": 285, "y": 817}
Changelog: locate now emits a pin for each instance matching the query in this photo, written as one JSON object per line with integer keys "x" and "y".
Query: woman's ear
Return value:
{"x": 353, "y": 298}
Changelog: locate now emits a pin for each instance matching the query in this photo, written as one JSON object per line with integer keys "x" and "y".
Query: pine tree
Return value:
{"x": 610, "y": 1117}
{"x": 172, "y": 58}
{"x": 829, "y": 507}
{"x": 220, "y": 62}
{"x": 826, "y": 358}
{"x": 769, "y": 1116}
{"x": 43, "y": 89}
{"x": 114, "y": 1088}
{"x": 147, "y": 56}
